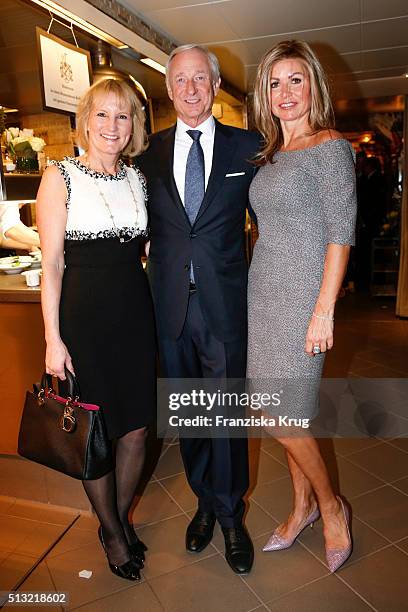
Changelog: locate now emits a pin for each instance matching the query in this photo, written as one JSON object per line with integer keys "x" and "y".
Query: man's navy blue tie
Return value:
{"x": 194, "y": 185}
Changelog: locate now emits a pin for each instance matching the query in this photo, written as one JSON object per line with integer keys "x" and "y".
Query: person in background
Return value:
{"x": 198, "y": 174}
{"x": 304, "y": 196}
{"x": 96, "y": 302}
{"x": 372, "y": 209}
{"x": 13, "y": 233}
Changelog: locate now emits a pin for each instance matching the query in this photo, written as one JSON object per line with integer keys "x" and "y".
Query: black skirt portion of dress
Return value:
{"x": 107, "y": 324}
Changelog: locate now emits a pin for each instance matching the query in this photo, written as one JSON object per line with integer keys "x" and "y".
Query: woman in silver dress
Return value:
{"x": 304, "y": 199}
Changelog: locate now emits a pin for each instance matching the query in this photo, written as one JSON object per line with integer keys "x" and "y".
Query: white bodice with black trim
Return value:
{"x": 88, "y": 216}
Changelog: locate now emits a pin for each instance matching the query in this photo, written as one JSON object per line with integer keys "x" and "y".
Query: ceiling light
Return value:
{"x": 79, "y": 22}
{"x": 138, "y": 86}
{"x": 153, "y": 64}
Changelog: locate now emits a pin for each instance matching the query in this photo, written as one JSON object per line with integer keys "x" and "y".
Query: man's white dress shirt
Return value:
{"x": 182, "y": 144}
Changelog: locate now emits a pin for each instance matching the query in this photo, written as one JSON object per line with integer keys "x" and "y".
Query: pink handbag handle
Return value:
{"x": 63, "y": 400}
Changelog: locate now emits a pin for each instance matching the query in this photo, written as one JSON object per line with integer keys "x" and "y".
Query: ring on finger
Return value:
{"x": 316, "y": 349}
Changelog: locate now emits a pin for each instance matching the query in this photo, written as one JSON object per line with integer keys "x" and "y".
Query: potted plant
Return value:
{"x": 23, "y": 146}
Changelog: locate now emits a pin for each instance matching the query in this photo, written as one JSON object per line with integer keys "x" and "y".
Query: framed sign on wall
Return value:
{"x": 65, "y": 72}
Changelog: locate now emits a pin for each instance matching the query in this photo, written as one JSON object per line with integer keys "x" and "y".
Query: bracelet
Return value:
{"x": 324, "y": 317}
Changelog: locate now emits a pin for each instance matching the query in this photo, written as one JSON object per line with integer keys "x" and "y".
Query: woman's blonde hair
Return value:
{"x": 138, "y": 140}
{"x": 321, "y": 115}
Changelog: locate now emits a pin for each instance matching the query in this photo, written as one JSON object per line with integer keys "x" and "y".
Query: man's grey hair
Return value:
{"x": 212, "y": 61}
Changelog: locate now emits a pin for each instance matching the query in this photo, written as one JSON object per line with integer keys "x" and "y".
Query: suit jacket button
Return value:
{"x": 186, "y": 267}
{"x": 192, "y": 235}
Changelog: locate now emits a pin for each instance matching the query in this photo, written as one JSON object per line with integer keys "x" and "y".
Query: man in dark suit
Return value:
{"x": 198, "y": 175}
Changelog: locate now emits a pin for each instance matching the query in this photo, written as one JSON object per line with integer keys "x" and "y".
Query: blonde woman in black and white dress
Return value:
{"x": 96, "y": 303}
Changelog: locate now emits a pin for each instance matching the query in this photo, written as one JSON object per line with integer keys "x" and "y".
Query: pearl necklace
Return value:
{"x": 108, "y": 208}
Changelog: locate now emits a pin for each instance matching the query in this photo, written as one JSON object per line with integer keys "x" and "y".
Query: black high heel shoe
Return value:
{"x": 138, "y": 548}
{"x": 128, "y": 571}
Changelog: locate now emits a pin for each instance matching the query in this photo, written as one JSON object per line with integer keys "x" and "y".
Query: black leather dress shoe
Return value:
{"x": 239, "y": 550}
{"x": 200, "y": 531}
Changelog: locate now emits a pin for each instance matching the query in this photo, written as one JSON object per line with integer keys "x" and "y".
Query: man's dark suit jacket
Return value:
{"x": 215, "y": 243}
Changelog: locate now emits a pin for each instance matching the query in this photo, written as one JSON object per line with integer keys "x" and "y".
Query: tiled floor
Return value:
{"x": 371, "y": 473}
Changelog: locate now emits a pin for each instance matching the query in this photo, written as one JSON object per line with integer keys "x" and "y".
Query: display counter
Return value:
{"x": 22, "y": 352}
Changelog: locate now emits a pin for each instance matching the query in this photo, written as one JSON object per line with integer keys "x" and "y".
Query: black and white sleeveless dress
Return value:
{"x": 106, "y": 312}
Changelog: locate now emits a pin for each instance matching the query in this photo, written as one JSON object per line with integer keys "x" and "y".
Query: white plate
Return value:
{"x": 9, "y": 269}
{"x": 14, "y": 258}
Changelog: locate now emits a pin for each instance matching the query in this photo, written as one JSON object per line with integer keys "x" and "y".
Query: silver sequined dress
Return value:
{"x": 303, "y": 201}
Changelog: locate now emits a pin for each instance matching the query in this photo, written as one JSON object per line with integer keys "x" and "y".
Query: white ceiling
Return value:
{"x": 362, "y": 40}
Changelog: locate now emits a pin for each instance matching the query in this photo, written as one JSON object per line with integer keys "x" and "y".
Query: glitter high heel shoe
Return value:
{"x": 277, "y": 542}
{"x": 337, "y": 557}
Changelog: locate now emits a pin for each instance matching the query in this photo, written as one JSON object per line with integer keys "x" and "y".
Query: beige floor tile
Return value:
{"x": 277, "y": 573}
{"x": 386, "y": 462}
{"x": 385, "y": 510}
{"x": 138, "y": 598}
{"x": 23, "y": 479}
{"x": 40, "y": 512}
{"x": 167, "y": 549}
{"x": 365, "y": 540}
{"x": 353, "y": 480}
{"x": 268, "y": 442}
{"x": 402, "y": 485}
{"x": 381, "y": 579}
{"x": 14, "y": 530}
{"x": 64, "y": 571}
{"x": 346, "y": 446}
{"x": 264, "y": 468}
{"x": 87, "y": 522}
{"x": 65, "y": 491}
{"x": 154, "y": 505}
{"x": 207, "y": 585}
{"x": 403, "y": 544}
{"x": 40, "y": 581}
{"x": 375, "y": 371}
{"x": 398, "y": 405}
{"x": 277, "y": 452}
{"x": 4, "y": 554}
{"x": 6, "y": 503}
{"x": 325, "y": 594}
{"x": 257, "y": 521}
{"x": 13, "y": 568}
{"x": 170, "y": 463}
{"x": 73, "y": 540}
{"x": 178, "y": 487}
{"x": 275, "y": 497}
{"x": 39, "y": 540}
{"x": 401, "y": 443}
{"x": 390, "y": 359}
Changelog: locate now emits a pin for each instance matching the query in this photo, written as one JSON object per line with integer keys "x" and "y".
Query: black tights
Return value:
{"x": 111, "y": 496}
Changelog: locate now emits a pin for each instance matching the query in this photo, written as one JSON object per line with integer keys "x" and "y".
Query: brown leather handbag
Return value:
{"x": 64, "y": 433}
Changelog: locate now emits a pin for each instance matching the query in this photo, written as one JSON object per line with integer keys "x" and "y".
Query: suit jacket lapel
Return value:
{"x": 167, "y": 158}
{"x": 222, "y": 154}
